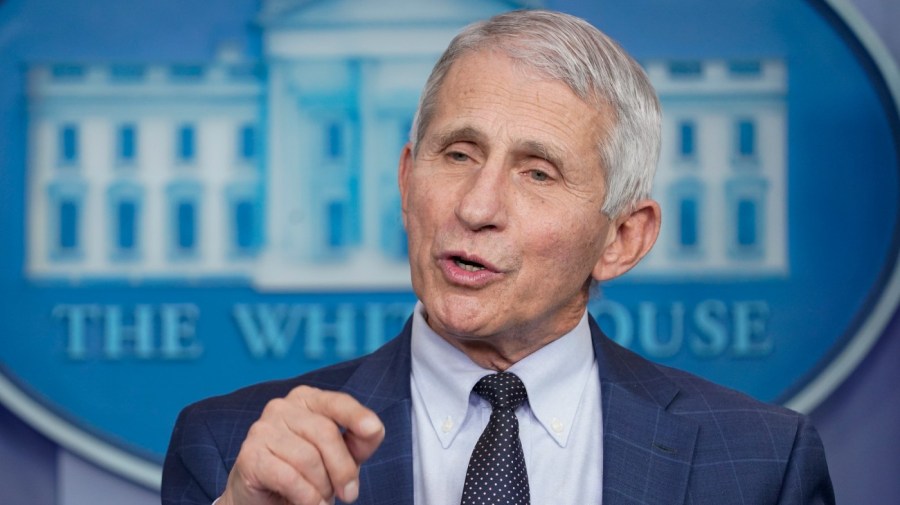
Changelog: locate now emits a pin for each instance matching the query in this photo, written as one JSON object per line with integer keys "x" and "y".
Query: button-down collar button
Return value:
{"x": 447, "y": 425}
{"x": 557, "y": 426}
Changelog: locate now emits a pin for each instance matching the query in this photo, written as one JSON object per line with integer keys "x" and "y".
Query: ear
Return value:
{"x": 632, "y": 235}
{"x": 403, "y": 174}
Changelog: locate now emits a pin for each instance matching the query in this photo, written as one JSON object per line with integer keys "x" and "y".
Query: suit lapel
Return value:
{"x": 647, "y": 451}
{"x": 382, "y": 384}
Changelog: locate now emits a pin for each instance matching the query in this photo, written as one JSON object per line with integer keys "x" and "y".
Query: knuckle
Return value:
{"x": 250, "y": 457}
{"x": 258, "y": 430}
{"x": 275, "y": 406}
{"x": 303, "y": 391}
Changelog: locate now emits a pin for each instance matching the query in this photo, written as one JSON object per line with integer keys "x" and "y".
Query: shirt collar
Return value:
{"x": 554, "y": 375}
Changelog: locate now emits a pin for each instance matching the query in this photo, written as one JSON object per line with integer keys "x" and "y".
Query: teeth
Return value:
{"x": 469, "y": 267}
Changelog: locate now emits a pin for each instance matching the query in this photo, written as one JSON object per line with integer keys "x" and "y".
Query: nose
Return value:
{"x": 483, "y": 200}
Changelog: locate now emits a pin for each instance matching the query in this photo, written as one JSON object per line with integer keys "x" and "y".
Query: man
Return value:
{"x": 526, "y": 181}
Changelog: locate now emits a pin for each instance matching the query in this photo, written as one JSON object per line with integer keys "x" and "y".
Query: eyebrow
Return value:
{"x": 465, "y": 133}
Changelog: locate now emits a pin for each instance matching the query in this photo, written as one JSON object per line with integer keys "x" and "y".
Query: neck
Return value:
{"x": 499, "y": 352}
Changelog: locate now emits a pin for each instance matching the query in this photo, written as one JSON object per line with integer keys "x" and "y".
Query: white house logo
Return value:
{"x": 188, "y": 226}
{"x": 173, "y": 178}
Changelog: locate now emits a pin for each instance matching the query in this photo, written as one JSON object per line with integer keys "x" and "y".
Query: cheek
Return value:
{"x": 550, "y": 244}
{"x": 431, "y": 201}
{"x": 422, "y": 194}
{"x": 422, "y": 216}
{"x": 571, "y": 249}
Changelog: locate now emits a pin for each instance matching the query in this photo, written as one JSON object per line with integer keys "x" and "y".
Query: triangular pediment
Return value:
{"x": 322, "y": 13}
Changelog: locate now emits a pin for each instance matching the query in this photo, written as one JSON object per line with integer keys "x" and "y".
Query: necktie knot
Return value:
{"x": 503, "y": 390}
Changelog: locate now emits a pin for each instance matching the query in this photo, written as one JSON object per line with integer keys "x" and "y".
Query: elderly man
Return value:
{"x": 526, "y": 181}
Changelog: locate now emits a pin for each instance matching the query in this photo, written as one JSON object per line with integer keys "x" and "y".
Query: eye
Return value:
{"x": 458, "y": 156}
{"x": 539, "y": 175}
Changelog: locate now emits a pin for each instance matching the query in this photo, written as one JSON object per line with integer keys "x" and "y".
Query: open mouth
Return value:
{"x": 467, "y": 265}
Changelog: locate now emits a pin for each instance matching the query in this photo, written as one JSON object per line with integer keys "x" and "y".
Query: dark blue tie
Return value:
{"x": 496, "y": 473}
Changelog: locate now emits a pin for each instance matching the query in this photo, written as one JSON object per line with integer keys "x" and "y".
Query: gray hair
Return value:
{"x": 594, "y": 67}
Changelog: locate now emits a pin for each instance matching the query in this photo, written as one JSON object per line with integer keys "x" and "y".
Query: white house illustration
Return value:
{"x": 722, "y": 176}
{"x": 281, "y": 172}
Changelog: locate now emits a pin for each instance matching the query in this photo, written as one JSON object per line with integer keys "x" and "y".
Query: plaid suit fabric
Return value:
{"x": 669, "y": 437}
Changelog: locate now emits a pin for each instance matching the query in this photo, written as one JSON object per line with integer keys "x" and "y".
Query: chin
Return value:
{"x": 461, "y": 316}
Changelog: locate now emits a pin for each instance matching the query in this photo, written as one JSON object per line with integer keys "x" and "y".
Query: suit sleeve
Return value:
{"x": 806, "y": 481}
{"x": 194, "y": 472}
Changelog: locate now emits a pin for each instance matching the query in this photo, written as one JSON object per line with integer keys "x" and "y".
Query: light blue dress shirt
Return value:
{"x": 560, "y": 425}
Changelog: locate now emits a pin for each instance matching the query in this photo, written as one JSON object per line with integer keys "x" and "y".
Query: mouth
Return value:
{"x": 468, "y": 270}
{"x": 467, "y": 264}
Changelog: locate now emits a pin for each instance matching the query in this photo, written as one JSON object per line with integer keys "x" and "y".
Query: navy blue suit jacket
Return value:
{"x": 668, "y": 437}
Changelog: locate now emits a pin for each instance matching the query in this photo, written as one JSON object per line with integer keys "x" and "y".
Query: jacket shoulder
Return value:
{"x": 769, "y": 453}
{"x": 675, "y": 390}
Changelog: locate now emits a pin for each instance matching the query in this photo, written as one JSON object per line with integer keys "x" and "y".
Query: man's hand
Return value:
{"x": 296, "y": 453}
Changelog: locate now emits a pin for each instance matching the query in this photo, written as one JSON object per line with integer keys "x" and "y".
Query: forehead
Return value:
{"x": 488, "y": 91}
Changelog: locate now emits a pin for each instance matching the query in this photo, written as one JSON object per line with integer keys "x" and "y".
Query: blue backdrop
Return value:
{"x": 772, "y": 319}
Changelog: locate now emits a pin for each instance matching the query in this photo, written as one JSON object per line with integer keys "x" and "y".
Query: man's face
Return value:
{"x": 502, "y": 205}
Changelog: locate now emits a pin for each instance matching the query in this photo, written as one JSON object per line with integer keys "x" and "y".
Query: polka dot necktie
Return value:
{"x": 496, "y": 473}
